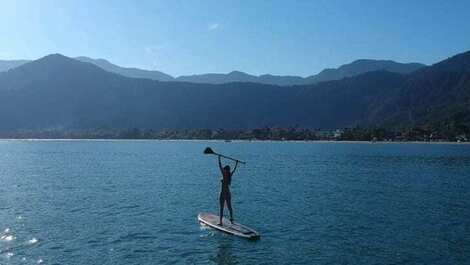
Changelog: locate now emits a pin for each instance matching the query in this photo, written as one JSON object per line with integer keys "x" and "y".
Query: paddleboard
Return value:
{"x": 227, "y": 227}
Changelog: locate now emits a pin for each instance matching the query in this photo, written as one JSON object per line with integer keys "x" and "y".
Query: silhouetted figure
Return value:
{"x": 225, "y": 196}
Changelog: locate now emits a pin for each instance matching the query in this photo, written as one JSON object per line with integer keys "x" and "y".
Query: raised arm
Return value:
{"x": 220, "y": 166}
{"x": 235, "y": 168}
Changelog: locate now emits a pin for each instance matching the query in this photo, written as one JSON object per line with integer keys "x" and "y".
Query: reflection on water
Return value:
{"x": 225, "y": 254}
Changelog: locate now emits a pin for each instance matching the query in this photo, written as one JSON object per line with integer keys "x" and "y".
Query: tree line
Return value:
{"x": 441, "y": 132}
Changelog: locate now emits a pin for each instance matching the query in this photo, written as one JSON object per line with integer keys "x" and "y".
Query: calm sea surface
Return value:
{"x": 136, "y": 202}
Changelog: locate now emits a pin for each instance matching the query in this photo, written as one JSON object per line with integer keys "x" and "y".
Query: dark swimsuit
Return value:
{"x": 225, "y": 196}
{"x": 225, "y": 189}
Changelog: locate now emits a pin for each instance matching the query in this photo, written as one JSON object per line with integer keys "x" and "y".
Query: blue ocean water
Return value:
{"x": 136, "y": 202}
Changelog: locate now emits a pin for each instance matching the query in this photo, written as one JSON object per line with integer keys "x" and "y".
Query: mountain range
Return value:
{"x": 57, "y": 92}
{"x": 352, "y": 69}
{"x": 355, "y": 68}
{"x": 129, "y": 72}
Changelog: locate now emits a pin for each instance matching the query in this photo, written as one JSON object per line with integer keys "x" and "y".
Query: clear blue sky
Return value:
{"x": 259, "y": 36}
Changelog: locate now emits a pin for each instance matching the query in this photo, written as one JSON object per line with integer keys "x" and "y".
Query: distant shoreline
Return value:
{"x": 292, "y": 134}
{"x": 224, "y": 141}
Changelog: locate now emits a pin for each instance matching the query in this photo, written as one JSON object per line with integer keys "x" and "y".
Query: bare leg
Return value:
{"x": 221, "y": 205}
{"x": 229, "y": 206}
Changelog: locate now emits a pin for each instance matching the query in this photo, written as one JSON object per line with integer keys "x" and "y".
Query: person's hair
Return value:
{"x": 227, "y": 168}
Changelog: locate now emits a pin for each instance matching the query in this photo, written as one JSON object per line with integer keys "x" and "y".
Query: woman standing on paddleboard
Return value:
{"x": 225, "y": 196}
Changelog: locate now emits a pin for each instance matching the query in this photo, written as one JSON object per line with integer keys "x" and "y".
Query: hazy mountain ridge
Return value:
{"x": 237, "y": 76}
{"x": 363, "y": 66}
{"x": 127, "y": 71}
{"x": 6, "y": 65}
{"x": 348, "y": 70}
{"x": 355, "y": 68}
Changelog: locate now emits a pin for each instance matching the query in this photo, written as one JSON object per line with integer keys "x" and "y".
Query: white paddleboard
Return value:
{"x": 227, "y": 227}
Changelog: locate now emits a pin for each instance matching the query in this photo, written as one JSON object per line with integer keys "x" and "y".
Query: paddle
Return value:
{"x": 208, "y": 151}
